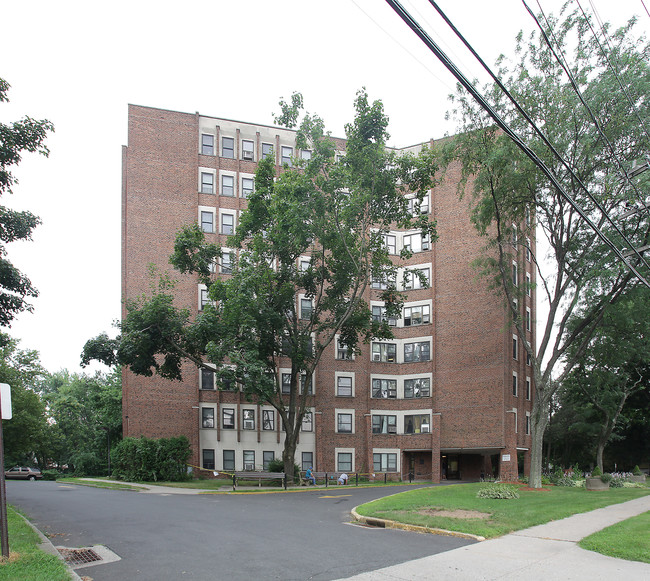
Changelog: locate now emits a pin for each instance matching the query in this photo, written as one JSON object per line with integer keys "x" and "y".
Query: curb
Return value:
{"x": 391, "y": 524}
{"x": 47, "y": 547}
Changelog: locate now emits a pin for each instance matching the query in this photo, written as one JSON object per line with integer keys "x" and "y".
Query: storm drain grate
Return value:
{"x": 79, "y": 556}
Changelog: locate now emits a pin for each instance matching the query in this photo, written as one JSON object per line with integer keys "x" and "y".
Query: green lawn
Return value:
{"x": 491, "y": 518}
{"x": 98, "y": 484}
{"x": 629, "y": 539}
{"x": 26, "y": 560}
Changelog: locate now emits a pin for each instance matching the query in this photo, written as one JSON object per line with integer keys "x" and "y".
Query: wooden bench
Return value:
{"x": 259, "y": 476}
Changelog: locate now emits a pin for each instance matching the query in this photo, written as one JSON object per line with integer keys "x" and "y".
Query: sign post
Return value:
{"x": 5, "y": 414}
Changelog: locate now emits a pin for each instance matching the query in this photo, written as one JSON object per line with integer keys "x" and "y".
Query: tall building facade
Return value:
{"x": 449, "y": 397}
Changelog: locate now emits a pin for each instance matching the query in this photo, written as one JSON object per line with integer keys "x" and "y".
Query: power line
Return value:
{"x": 426, "y": 39}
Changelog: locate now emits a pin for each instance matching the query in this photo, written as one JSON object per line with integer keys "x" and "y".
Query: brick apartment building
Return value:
{"x": 448, "y": 397}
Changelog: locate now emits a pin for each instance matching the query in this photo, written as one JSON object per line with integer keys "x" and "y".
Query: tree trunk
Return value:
{"x": 539, "y": 420}
{"x": 288, "y": 455}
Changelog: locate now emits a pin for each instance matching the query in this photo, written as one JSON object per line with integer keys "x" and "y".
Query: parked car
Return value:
{"x": 23, "y": 473}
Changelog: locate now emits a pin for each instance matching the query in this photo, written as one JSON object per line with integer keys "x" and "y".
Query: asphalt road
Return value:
{"x": 303, "y": 535}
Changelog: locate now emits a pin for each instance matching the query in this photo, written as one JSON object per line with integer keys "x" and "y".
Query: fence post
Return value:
{"x": 285, "y": 481}
{"x": 357, "y": 475}
{"x": 410, "y": 477}
{"x": 234, "y": 482}
{"x": 325, "y": 479}
{"x": 385, "y": 477}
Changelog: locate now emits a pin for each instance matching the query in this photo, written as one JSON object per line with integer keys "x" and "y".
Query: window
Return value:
{"x": 527, "y": 423}
{"x": 528, "y": 388}
{"x": 515, "y": 276}
{"x": 390, "y": 242}
{"x": 268, "y": 420}
{"x": 416, "y": 242}
{"x": 228, "y": 147}
{"x": 384, "y": 388}
{"x": 516, "y": 422}
{"x": 528, "y": 252}
{"x": 267, "y": 458}
{"x": 529, "y": 324}
{"x": 207, "y": 418}
{"x": 248, "y": 417}
{"x": 227, "y": 419}
{"x": 379, "y": 316}
{"x": 227, "y": 384}
{"x": 286, "y": 383}
{"x": 247, "y": 150}
{"x": 344, "y": 461}
{"x": 418, "y": 278}
{"x": 249, "y": 459}
{"x": 418, "y": 315}
{"x": 515, "y": 347}
{"x": 227, "y": 224}
{"x": 342, "y": 351}
{"x": 514, "y": 235}
{"x": 528, "y": 360}
{"x": 529, "y": 286}
{"x": 207, "y": 183}
{"x": 267, "y": 150}
{"x": 384, "y": 462}
{"x": 304, "y": 264}
{"x": 384, "y": 352}
{"x": 344, "y": 423}
{"x": 307, "y": 460}
{"x": 418, "y": 424}
{"x": 514, "y": 384}
{"x": 415, "y": 207}
{"x": 207, "y": 222}
{"x": 286, "y": 155}
{"x": 416, "y": 352}
{"x": 415, "y": 388}
{"x": 381, "y": 282}
{"x": 305, "y": 309}
{"x": 227, "y": 185}
{"x": 208, "y": 459}
{"x": 247, "y": 187}
{"x": 226, "y": 263}
{"x": 307, "y": 422}
{"x": 344, "y": 386}
{"x": 527, "y": 216}
{"x": 207, "y": 144}
{"x": 305, "y": 154}
{"x": 228, "y": 459}
{"x": 207, "y": 379}
{"x": 204, "y": 298}
{"x": 303, "y": 384}
{"x": 384, "y": 424}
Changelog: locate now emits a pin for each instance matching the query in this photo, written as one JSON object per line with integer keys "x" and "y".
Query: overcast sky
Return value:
{"x": 79, "y": 63}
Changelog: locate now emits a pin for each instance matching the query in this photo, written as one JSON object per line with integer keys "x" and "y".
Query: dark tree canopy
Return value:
{"x": 26, "y": 135}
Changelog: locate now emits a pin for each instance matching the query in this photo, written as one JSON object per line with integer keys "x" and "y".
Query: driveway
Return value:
{"x": 300, "y": 535}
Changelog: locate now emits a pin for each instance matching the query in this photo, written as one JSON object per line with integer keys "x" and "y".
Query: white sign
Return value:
{"x": 5, "y": 392}
{"x": 505, "y": 458}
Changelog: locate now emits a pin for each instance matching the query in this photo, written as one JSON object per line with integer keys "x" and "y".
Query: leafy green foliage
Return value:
{"x": 144, "y": 459}
{"x": 583, "y": 276}
{"x": 497, "y": 490}
{"x": 637, "y": 471}
{"x": 596, "y": 472}
{"x": 26, "y": 135}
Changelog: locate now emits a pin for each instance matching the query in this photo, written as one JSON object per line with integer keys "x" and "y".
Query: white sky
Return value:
{"x": 79, "y": 63}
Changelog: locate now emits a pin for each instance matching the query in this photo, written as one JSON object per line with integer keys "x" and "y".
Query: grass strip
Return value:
{"x": 629, "y": 539}
{"x": 456, "y": 508}
{"x": 26, "y": 560}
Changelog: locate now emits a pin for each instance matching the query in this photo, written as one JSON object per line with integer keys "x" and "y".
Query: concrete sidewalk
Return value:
{"x": 542, "y": 552}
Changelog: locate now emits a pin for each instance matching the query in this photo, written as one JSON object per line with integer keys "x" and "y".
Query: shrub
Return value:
{"x": 596, "y": 472}
{"x": 606, "y": 478}
{"x": 499, "y": 491}
{"x": 277, "y": 465}
{"x": 50, "y": 474}
{"x": 565, "y": 481}
{"x": 636, "y": 471}
{"x": 546, "y": 480}
{"x": 144, "y": 459}
{"x": 617, "y": 482}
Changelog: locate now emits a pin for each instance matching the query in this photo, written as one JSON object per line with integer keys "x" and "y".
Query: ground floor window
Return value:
{"x": 249, "y": 459}
{"x": 344, "y": 462}
{"x": 208, "y": 459}
{"x": 228, "y": 459}
{"x": 267, "y": 457}
{"x": 307, "y": 460}
{"x": 384, "y": 462}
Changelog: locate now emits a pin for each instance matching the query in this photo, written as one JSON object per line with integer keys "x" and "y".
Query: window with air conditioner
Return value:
{"x": 247, "y": 150}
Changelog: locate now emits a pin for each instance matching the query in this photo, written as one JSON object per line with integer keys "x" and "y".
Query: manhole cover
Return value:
{"x": 79, "y": 556}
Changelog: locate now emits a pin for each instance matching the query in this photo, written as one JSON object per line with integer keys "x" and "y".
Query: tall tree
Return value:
{"x": 25, "y": 435}
{"x": 311, "y": 241}
{"x": 25, "y": 135}
{"x": 580, "y": 276}
{"x": 615, "y": 365}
